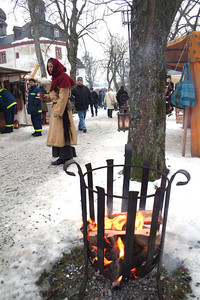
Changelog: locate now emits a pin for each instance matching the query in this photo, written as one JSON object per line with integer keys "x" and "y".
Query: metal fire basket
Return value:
{"x": 94, "y": 200}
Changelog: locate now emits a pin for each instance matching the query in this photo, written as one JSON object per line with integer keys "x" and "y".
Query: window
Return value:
{"x": 58, "y": 53}
{"x": 56, "y": 32}
{"x": 3, "y": 57}
{"x": 17, "y": 54}
{"x": 32, "y": 31}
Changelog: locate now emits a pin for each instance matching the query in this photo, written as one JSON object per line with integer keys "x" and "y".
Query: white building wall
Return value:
{"x": 50, "y": 51}
{"x": 27, "y": 56}
{"x": 9, "y": 58}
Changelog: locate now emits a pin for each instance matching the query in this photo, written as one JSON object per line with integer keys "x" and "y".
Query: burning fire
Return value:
{"x": 118, "y": 222}
{"x": 114, "y": 242}
{"x": 118, "y": 279}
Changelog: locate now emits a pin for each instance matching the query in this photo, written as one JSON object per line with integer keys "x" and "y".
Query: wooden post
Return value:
{"x": 35, "y": 71}
{"x": 185, "y": 131}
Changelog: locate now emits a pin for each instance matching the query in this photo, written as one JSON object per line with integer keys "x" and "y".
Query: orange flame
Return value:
{"x": 107, "y": 262}
{"x": 133, "y": 275}
{"x": 120, "y": 245}
{"x": 118, "y": 222}
{"x": 139, "y": 221}
{"x": 118, "y": 279}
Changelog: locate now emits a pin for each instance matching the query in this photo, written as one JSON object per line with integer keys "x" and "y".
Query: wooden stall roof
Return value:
{"x": 177, "y": 53}
{"x": 182, "y": 50}
{"x": 4, "y": 71}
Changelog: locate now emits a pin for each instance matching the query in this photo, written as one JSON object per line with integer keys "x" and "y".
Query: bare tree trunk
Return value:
{"x": 150, "y": 25}
{"x": 72, "y": 50}
{"x": 39, "y": 53}
{"x": 115, "y": 83}
{"x": 36, "y": 36}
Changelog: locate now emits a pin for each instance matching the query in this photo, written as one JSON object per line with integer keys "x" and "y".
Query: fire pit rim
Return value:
{"x": 127, "y": 165}
{"x": 161, "y": 173}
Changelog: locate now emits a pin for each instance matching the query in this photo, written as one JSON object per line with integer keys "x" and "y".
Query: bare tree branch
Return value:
{"x": 187, "y": 19}
{"x": 76, "y": 20}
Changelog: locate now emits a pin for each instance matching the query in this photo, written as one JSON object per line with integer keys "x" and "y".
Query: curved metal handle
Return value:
{"x": 70, "y": 162}
{"x": 184, "y": 172}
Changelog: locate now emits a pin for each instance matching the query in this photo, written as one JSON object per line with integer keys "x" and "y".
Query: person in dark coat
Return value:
{"x": 122, "y": 96}
{"x": 43, "y": 104}
{"x": 94, "y": 102}
{"x": 168, "y": 93}
{"x": 35, "y": 107}
{"x": 8, "y": 104}
{"x": 102, "y": 95}
{"x": 82, "y": 97}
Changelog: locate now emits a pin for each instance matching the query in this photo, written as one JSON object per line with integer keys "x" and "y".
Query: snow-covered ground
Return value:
{"x": 40, "y": 203}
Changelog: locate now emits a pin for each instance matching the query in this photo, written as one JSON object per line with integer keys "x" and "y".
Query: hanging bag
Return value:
{"x": 184, "y": 95}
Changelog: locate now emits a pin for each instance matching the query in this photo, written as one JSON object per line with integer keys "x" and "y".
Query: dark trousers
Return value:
{"x": 92, "y": 106}
{"x": 37, "y": 122}
{"x": 66, "y": 152}
{"x": 9, "y": 115}
{"x": 110, "y": 113}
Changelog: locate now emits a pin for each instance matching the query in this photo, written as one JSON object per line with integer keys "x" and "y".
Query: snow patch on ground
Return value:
{"x": 40, "y": 203}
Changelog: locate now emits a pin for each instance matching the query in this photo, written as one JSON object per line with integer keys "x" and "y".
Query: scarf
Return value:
{"x": 59, "y": 77}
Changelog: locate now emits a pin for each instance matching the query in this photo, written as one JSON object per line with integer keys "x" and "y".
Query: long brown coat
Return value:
{"x": 56, "y": 130}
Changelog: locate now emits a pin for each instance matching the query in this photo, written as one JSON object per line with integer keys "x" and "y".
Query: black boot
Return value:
{"x": 37, "y": 133}
{"x": 5, "y": 132}
{"x": 59, "y": 161}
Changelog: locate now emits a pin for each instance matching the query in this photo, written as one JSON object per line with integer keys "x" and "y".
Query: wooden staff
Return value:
{"x": 35, "y": 71}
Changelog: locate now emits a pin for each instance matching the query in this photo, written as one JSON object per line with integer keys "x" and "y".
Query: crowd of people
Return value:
{"x": 64, "y": 94}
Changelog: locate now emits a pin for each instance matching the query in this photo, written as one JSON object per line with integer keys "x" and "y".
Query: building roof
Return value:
{"x": 11, "y": 71}
{"x": 46, "y": 30}
{"x": 2, "y": 15}
{"x": 6, "y": 40}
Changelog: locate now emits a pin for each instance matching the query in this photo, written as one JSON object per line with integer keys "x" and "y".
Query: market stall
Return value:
{"x": 14, "y": 81}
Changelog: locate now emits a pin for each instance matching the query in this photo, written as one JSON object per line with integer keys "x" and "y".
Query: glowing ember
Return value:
{"x": 106, "y": 262}
{"x": 118, "y": 279}
{"x": 133, "y": 275}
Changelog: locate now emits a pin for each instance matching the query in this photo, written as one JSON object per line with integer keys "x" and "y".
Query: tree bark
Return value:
{"x": 72, "y": 50}
{"x": 36, "y": 36}
{"x": 39, "y": 52}
{"x": 151, "y": 21}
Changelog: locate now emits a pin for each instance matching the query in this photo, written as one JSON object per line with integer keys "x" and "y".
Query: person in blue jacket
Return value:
{"x": 35, "y": 107}
{"x": 7, "y": 104}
